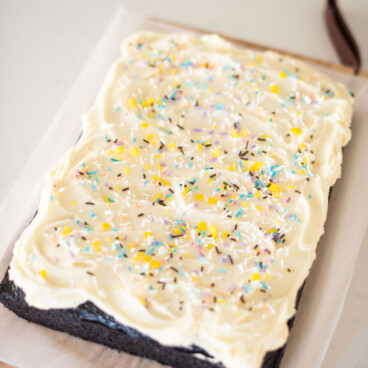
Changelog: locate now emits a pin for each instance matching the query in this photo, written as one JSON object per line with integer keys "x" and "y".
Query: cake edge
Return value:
{"x": 90, "y": 323}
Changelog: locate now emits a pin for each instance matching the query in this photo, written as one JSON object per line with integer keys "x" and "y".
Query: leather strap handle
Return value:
{"x": 342, "y": 39}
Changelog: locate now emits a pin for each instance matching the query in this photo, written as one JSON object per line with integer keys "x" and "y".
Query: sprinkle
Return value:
{"x": 144, "y": 302}
{"x": 212, "y": 200}
{"x": 202, "y": 226}
{"x": 296, "y": 131}
{"x": 132, "y": 103}
{"x": 256, "y": 166}
{"x": 283, "y": 75}
{"x": 43, "y": 273}
{"x": 274, "y": 88}
{"x": 105, "y": 226}
{"x": 155, "y": 264}
{"x": 67, "y": 230}
{"x": 199, "y": 197}
{"x": 213, "y": 230}
{"x": 256, "y": 277}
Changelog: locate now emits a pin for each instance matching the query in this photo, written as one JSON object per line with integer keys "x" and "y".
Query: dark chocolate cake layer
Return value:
{"x": 90, "y": 323}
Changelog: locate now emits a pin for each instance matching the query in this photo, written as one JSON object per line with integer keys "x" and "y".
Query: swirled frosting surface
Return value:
{"x": 191, "y": 207}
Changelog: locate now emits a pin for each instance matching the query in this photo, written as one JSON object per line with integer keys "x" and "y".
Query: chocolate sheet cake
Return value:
{"x": 183, "y": 223}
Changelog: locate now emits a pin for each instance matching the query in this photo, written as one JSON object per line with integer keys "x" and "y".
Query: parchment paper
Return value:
{"x": 24, "y": 344}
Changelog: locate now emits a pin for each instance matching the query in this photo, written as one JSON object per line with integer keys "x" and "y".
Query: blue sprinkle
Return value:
{"x": 247, "y": 288}
{"x": 121, "y": 255}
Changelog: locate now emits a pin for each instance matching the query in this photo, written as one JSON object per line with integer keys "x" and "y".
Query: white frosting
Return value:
{"x": 228, "y": 155}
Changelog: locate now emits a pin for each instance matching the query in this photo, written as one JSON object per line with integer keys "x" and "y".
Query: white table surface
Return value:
{"x": 45, "y": 43}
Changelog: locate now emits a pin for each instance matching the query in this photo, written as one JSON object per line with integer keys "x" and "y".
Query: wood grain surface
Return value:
{"x": 4, "y": 365}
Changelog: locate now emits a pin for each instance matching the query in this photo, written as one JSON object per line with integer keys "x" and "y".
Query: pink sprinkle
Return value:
{"x": 287, "y": 201}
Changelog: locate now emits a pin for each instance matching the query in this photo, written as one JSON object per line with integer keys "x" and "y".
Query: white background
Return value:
{"x": 45, "y": 43}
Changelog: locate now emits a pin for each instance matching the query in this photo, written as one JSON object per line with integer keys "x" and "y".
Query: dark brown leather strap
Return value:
{"x": 342, "y": 39}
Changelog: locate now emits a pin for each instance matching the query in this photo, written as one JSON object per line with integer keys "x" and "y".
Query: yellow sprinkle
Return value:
{"x": 67, "y": 230}
{"x": 96, "y": 243}
{"x": 216, "y": 152}
{"x": 256, "y": 276}
{"x": 186, "y": 190}
{"x": 199, "y": 197}
{"x": 147, "y": 259}
{"x": 120, "y": 150}
{"x": 43, "y": 273}
{"x": 138, "y": 256}
{"x": 73, "y": 203}
{"x": 225, "y": 234}
{"x": 143, "y": 301}
{"x": 132, "y": 103}
{"x": 291, "y": 186}
{"x": 126, "y": 171}
{"x": 209, "y": 246}
{"x": 172, "y": 145}
{"x": 259, "y": 59}
{"x": 283, "y": 75}
{"x": 202, "y": 226}
{"x": 212, "y": 200}
{"x": 296, "y": 131}
{"x": 151, "y": 137}
{"x": 155, "y": 264}
{"x": 274, "y": 88}
{"x": 134, "y": 151}
{"x": 144, "y": 125}
{"x": 194, "y": 278}
{"x": 147, "y": 234}
{"x": 259, "y": 208}
{"x": 106, "y": 226}
{"x": 231, "y": 168}
{"x": 213, "y": 230}
{"x": 276, "y": 190}
{"x": 234, "y": 133}
{"x": 256, "y": 166}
